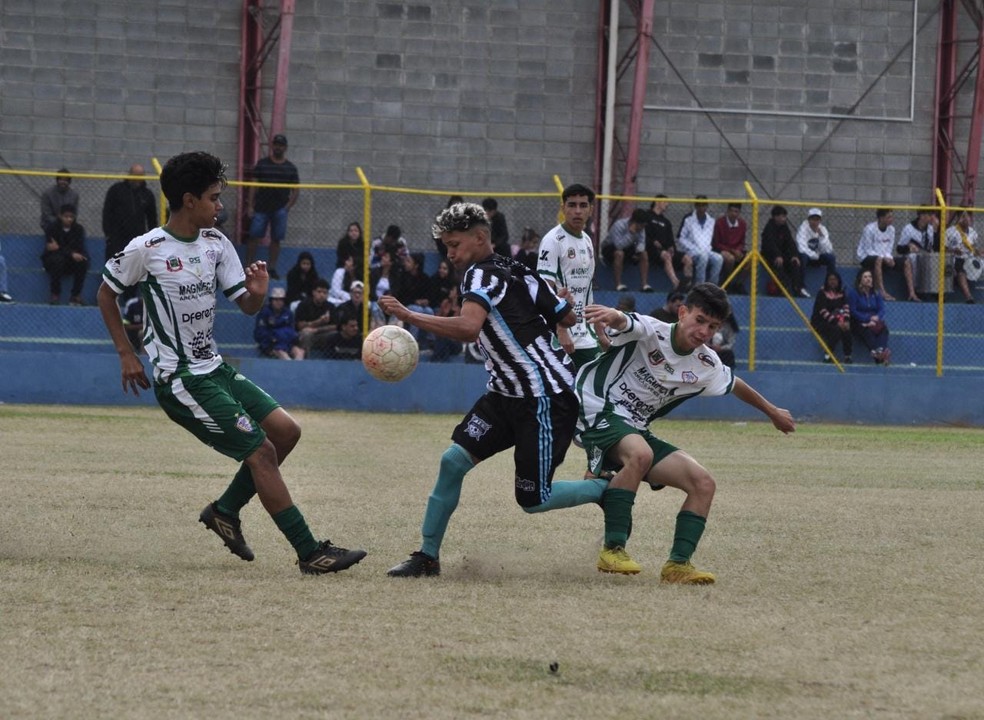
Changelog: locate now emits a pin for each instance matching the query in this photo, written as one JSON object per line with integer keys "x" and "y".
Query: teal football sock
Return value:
{"x": 455, "y": 464}
{"x": 570, "y": 493}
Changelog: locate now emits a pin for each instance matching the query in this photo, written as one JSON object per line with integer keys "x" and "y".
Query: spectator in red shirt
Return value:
{"x": 729, "y": 240}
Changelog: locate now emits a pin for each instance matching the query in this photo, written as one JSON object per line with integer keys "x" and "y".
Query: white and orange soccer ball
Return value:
{"x": 390, "y": 353}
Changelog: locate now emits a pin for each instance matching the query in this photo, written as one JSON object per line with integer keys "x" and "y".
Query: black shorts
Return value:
{"x": 654, "y": 251}
{"x": 540, "y": 429}
{"x": 630, "y": 255}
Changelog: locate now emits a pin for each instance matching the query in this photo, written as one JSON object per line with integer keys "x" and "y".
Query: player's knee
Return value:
{"x": 703, "y": 483}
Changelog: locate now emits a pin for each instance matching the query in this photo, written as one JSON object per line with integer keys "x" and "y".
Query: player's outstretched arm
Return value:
{"x": 781, "y": 418}
{"x": 608, "y": 317}
{"x": 132, "y": 368}
{"x": 464, "y": 327}
{"x": 257, "y": 284}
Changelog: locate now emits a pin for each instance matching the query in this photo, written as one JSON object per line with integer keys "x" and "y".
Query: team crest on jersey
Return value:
{"x": 153, "y": 242}
{"x": 476, "y": 427}
{"x": 571, "y": 253}
{"x": 210, "y": 254}
{"x": 656, "y": 357}
{"x": 688, "y": 377}
{"x": 174, "y": 264}
{"x": 243, "y": 424}
{"x": 706, "y": 359}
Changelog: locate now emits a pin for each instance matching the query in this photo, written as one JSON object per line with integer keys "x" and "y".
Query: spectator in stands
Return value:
{"x": 133, "y": 322}
{"x": 723, "y": 341}
{"x": 391, "y": 241}
{"x": 384, "y": 279}
{"x": 779, "y": 251}
{"x": 351, "y": 245}
{"x": 443, "y": 349}
{"x": 267, "y": 207}
{"x": 346, "y": 342}
{"x": 669, "y": 312}
{"x": 315, "y": 319}
{"x": 696, "y": 234}
{"x": 443, "y": 283}
{"x": 919, "y": 236}
{"x": 832, "y": 317}
{"x": 961, "y": 242}
{"x": 500, "y": 231}
{"x": 626, "y": 240}
{"x": 528, "y": 245}
{"x": 65, "y": 254}
{"x": 341, "y": 281}
{"x": 354, "y": 306}
{"x": 868, "y": 316}
{"x": 129, "y": 210}
{"x": 875, "y": 248}
{"x": 414, "y": 292}
{"x": 814, "y": 246}
{"x": 301, "y": 278}
{"x": 61, "y": 193}
{"x": 729, "y": 240}
{"x": 274, "y": 332}
{"x": 5, "y": 296}
{"x": 662, "y": 249}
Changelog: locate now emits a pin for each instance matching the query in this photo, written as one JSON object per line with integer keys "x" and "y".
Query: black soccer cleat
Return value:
{"x": 329, "y": 558}
{"x": 417, "y": 565}
{"x": 228, "y": 529}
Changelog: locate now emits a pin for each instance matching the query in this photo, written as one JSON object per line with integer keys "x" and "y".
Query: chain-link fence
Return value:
{"x": 940, "y": 332}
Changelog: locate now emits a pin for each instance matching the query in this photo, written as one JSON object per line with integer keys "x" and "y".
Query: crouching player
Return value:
{"x": 652, "y": 367}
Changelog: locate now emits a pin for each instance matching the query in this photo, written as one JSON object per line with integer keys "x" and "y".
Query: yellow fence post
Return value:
{"x": 753, "y": 291}
{"x": 366, "y": 246}
{"x": 157, "y": 168}
{"x": 941, "y": 279}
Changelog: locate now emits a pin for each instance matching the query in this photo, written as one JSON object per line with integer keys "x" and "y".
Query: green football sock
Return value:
{"x": 240, "y": 491}
{"x": 618, "y": 516}
{"x": 455, "y": 464}
{"x": 296, "y": 530}
{"x": 570, "y": 493}
{"x": 689, "y": 528}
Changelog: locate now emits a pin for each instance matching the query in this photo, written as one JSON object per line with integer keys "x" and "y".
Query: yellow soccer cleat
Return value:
{"x": 616, "y": 560}
{"x": 684, "y": 574}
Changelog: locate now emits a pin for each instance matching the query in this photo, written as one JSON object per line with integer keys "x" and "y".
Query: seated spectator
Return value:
{"x": 729, "y": 240}
{"x": 832, "y": 317}
{"x": 875, "y": 248}
{"x": 5, "y": 296}
{"x": 351, "y": 245}
{"x": 341, "y": 281}
{"x": 443, "y": 282}
{"x": 314, "y": 320}
{"x": 133, "y": 322}
{"x": 528, "y": 247}
{"x": 661, "y": 247}
{"x": 443, "y": 349}
{"x": 626, "y": 240}
{"x": 814, "y": 246}
{"x": 64, "y": 254}
{"x": 392, "y": 241}
{"x": 346, "y": 342}
{"x": 961, "y": 243}
{"x": 274, "y": 332}
{"x": 59, "y": 194}
{"x": 301, "y": 278}
{"x": 414, "y": 291}
{"x": 383, "y": 280}
{"x": 918, "y": 236}
{"x": 723, "y": 341}
{"x": 354, "y": 306}
{"x": 696, "y": 234}
{"x": 779, "y": 251}
{"x": 670, "y": 311}
{"x": 497, "y": 227}
{"x": 868, "y": 316}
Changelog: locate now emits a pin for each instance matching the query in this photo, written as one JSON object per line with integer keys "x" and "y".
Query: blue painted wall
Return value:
{"x": 896, "y": 396}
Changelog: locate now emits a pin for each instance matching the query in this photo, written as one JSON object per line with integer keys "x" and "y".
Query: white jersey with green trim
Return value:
{"x": 568, "y": 261}
{"x": 178, "y": 279}
{"x": 642, "y": 376}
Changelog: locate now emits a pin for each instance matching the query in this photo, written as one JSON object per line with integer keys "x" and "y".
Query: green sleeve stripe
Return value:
{"x": 235, "y": 288}
{"x": 112, "y": 281}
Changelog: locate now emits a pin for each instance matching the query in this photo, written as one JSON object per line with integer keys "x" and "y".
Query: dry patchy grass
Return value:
{"x": 849, "y": 564}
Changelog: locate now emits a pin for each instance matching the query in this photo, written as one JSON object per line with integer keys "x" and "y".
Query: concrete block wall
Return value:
{"x": 471, "y": 95}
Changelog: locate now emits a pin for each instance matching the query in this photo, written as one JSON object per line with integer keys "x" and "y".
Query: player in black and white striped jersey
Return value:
{"x": 529, "y": 405}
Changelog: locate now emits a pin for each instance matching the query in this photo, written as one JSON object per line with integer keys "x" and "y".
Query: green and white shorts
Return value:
{"x": 607, "y": 431}
{"x": 223, "y": 409}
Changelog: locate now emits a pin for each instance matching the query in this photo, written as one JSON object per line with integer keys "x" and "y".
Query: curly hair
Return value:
{"x": 458, "y": 218}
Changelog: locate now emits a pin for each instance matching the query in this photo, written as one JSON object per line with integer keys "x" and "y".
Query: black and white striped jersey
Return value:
{"x": 522, "y": 353}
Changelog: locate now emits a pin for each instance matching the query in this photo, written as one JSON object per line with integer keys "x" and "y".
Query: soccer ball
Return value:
{"x": 390, "y": 353}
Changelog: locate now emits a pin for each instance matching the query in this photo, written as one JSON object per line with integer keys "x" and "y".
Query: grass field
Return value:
{"x": 849, "y": 562}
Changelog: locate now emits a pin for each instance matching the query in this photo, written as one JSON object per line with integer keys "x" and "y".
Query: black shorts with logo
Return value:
{"x": 540, "y": 429}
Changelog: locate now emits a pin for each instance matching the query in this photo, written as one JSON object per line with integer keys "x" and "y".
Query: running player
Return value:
{"x": 567, "y": 260}
{"x": 529, "y": 404}
{"x": 178, "y": 268}
{"x": 651, "y": 368}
